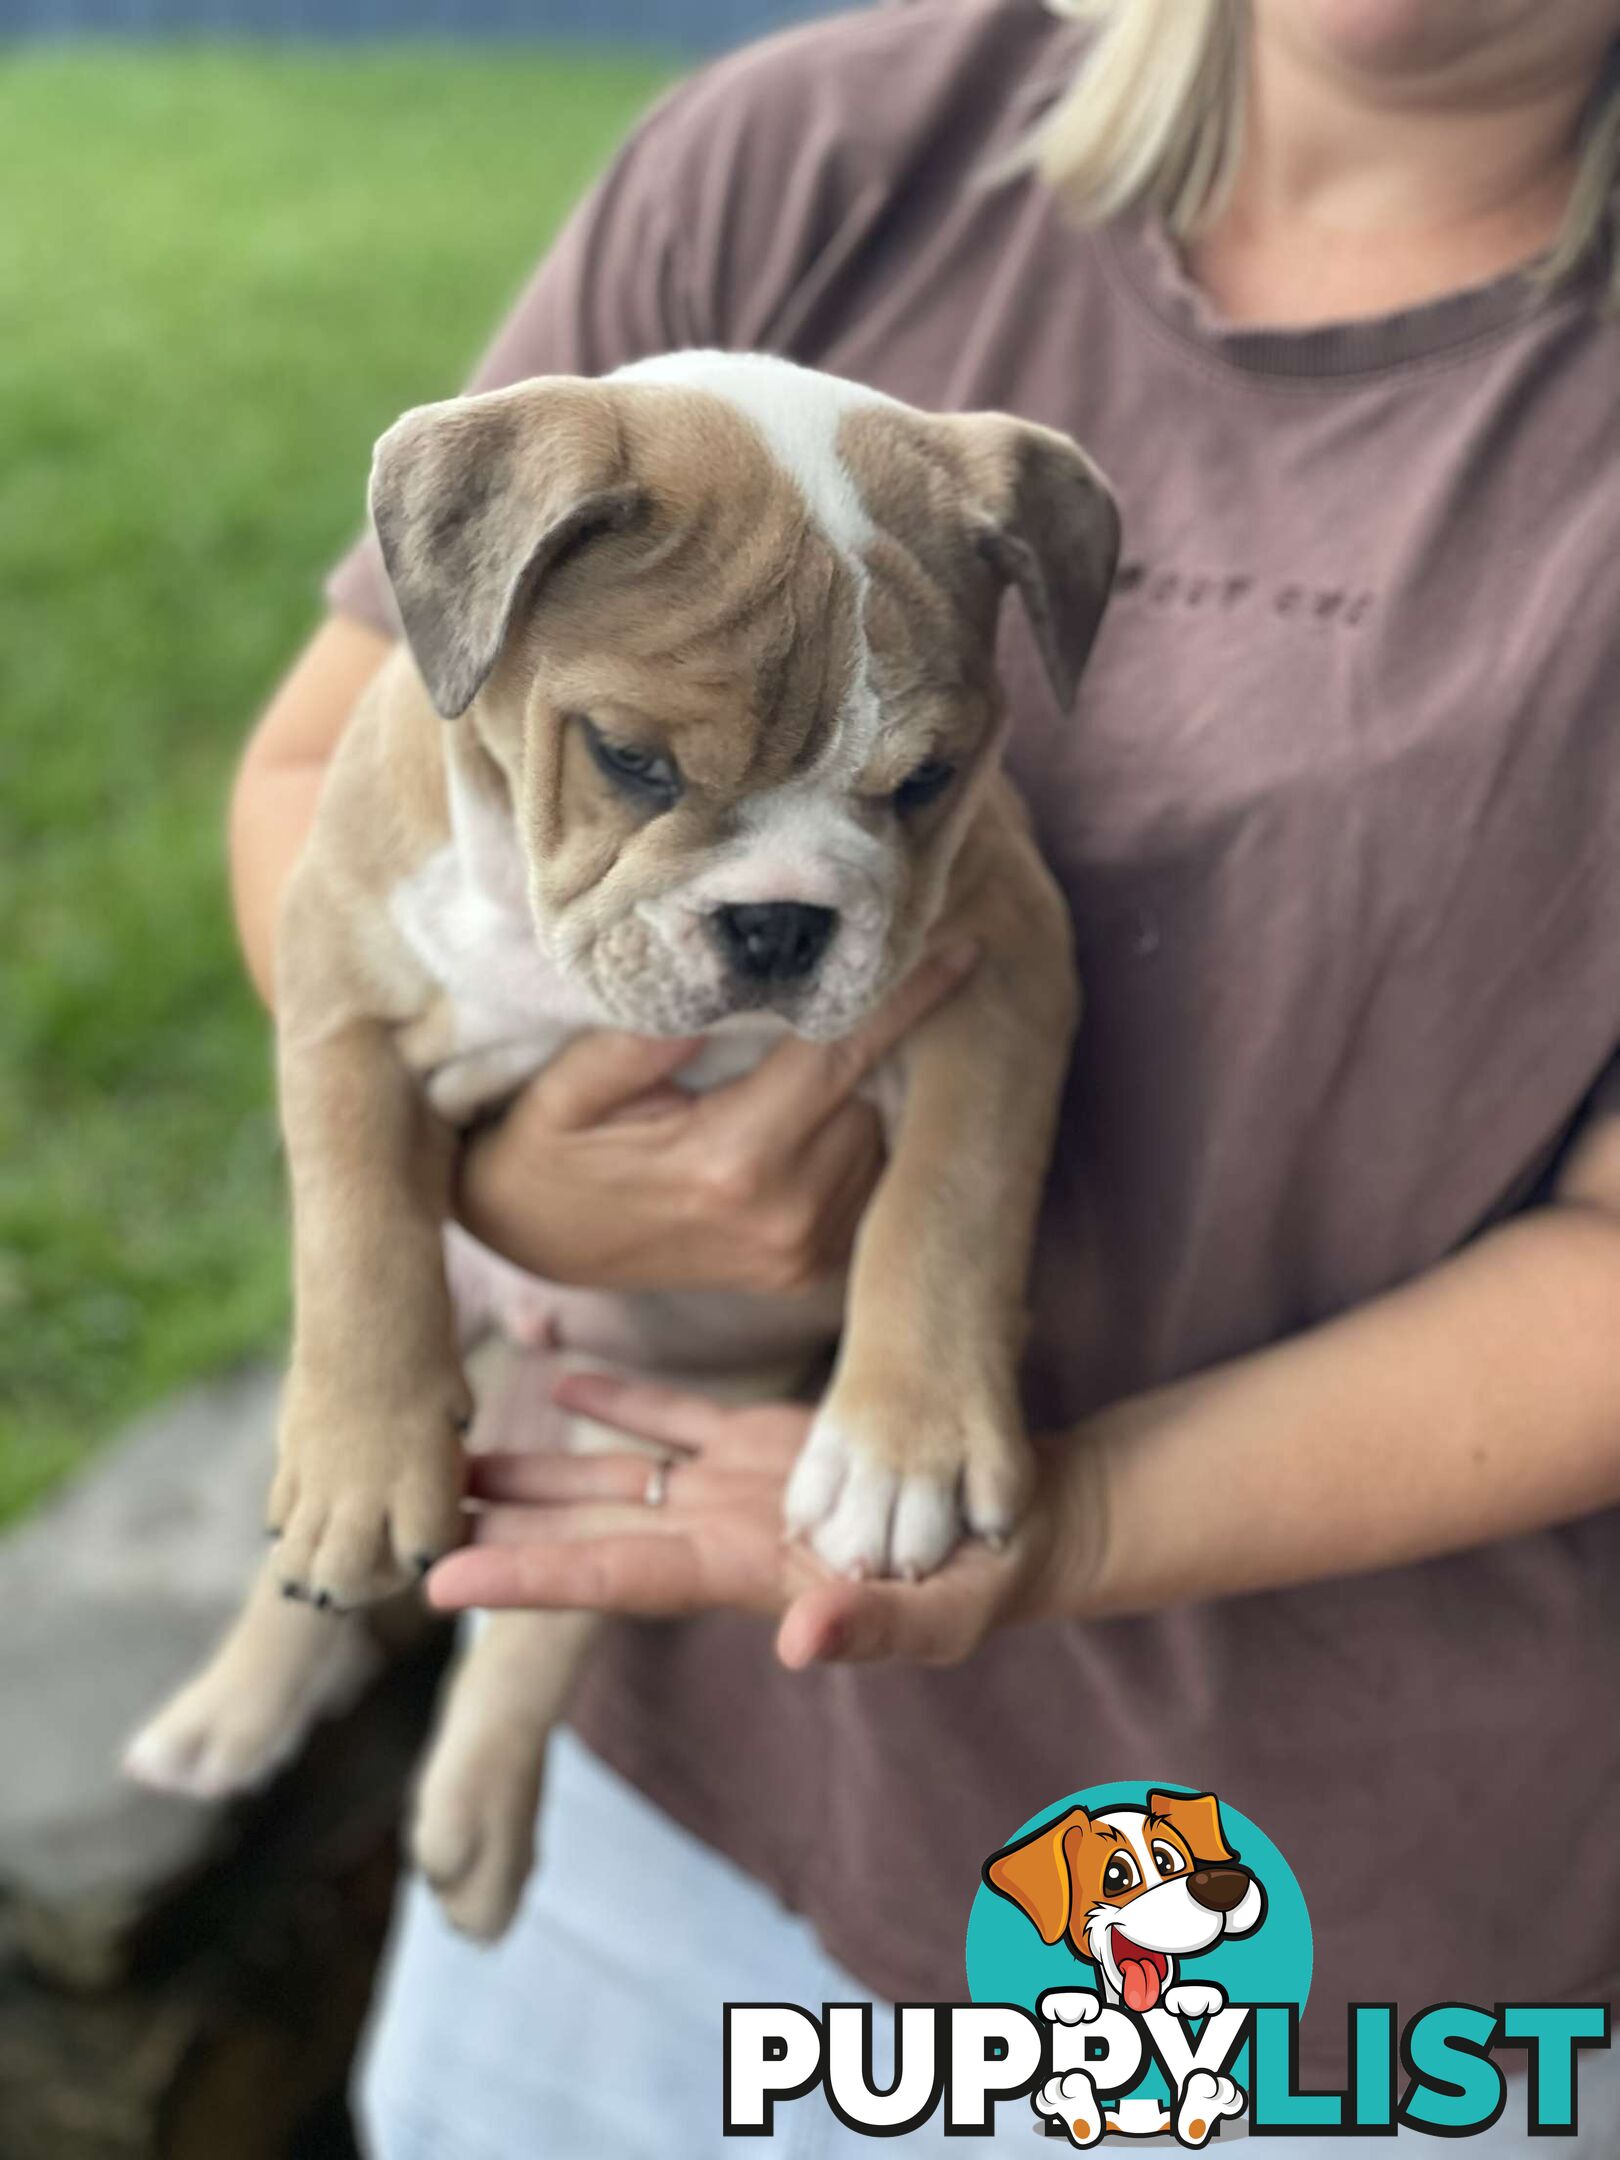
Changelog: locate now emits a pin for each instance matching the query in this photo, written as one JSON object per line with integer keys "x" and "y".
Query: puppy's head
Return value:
{"x": 727, "y": 629}
{"x": 1132, "y": 1889}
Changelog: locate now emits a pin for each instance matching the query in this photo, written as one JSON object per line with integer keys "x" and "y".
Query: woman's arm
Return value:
{"x": 1476, "y": 1403}
{"x": 1480, "y": 1401}
{"x": 280, "y": 776}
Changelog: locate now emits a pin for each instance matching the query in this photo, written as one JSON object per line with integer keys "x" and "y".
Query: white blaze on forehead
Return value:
{"x": 798, "y": 412}
{"x": 1132, "y": 1826}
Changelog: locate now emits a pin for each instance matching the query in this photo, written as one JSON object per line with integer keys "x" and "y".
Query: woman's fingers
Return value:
{"x": 790, "y": 1092}
{"x": 646, "y": 1409}
{"x": 760, "y": 1436}
{"x": 647, "y": 1577}
{"x": 603, "y": 1072}
{"x": 550, "y": 1478}
{"x": 576, "y": 1522}
{"x": 938, "y": 1621}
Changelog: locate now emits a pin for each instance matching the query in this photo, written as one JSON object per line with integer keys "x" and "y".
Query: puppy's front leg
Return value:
{"x": 921, "y": 1427}
{"x": 368, "y": 1490}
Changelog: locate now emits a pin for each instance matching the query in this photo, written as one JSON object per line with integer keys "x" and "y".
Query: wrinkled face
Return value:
{"x": 744, "y": 704}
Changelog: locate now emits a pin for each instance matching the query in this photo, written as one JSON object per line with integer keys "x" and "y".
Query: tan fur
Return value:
{"x": 635, "y": 551}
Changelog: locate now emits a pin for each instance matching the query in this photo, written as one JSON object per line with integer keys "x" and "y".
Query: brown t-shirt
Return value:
{"x": 1339, "y": 817}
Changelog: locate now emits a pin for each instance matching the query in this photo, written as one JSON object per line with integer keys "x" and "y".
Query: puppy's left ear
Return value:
{"x": 1196, "y": 1819}
{"x": 1048, "y": 524}
{"x": 477, "y": 500}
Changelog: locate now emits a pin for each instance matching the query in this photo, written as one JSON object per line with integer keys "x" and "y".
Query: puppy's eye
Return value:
{"x": 1119, "y": 1876}
{"x": 647, "y": 776}
{"x": 918, "y": 789}
{"x": 1168, "y": 1861}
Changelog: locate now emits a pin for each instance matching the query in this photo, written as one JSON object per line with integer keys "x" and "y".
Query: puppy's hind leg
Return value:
{"x": 277, "y": 1673}
{"x": 474, "y": 1831}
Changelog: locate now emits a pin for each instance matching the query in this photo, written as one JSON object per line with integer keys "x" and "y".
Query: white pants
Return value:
{"x": 593, "y": 2032}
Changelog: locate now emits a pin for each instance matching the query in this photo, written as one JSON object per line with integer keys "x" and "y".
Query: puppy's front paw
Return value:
{"x": 887, "y": 1480}
{"x": 364, "y": 1504}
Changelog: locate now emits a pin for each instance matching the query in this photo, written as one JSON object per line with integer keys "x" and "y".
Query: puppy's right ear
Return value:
{"x": 1035, "y": 1873}
{"x": 476, "y": 500}
{"x": 1048, "y": 523}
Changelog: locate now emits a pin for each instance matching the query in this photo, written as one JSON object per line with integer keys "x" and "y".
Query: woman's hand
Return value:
{"x": 606, "y": 1174}
{"x": 1396, "y": 1432}
{"x": 577, "y": 1532}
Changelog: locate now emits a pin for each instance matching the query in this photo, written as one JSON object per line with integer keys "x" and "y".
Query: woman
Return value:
{"x": 1335, "y": 1226}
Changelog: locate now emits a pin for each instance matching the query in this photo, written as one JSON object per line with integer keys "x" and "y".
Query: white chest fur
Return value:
{"x": 507, "y": 1008}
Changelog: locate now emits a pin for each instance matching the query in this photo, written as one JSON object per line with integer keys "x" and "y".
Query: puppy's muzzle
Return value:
{"x": 1219, "y": 1889}
{"x": 773, "y": 941}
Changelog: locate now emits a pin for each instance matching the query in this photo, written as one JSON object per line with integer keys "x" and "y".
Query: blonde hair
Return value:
{"x": 1154, "y": 120}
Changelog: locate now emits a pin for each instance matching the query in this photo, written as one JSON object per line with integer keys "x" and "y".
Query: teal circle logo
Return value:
{"x": 1134, "y": 1892}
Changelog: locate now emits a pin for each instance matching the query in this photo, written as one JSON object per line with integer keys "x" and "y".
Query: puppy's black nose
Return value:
{"x": 773, "y": 940}
{"x": 1219, "y": 1889}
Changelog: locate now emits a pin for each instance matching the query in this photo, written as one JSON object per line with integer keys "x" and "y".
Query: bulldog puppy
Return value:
{"x": 695, "y": 731}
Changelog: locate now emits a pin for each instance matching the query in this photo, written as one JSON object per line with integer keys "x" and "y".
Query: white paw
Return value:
{"x": 890, "y": 1491}
{"x": 1205, "y": 2101}
{"x": 473, "y": 1834}
{"x": 865, "y": 1517}
{"x": 1194, "y": 1999}
{"x": 220, "y": 1737}
{"x": 1069, "y": 2006}
{"x": 1072, "y": 2100}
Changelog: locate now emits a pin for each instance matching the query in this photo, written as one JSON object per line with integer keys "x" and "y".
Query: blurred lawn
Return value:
{"x": 220, "y": 276}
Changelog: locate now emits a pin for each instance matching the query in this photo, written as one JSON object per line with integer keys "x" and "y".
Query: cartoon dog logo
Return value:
{"x": 1135, "y": 1890}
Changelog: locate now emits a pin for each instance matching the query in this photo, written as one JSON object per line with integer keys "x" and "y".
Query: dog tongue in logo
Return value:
{"x": 1141, "y": 1973}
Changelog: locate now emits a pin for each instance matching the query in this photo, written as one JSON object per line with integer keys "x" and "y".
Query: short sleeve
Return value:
{"x": 1604, "y": 1100}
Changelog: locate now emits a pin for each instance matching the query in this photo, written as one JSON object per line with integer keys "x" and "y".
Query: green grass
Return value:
{"x": 221, "y": 274}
